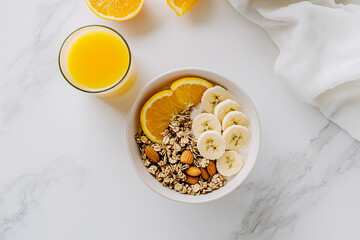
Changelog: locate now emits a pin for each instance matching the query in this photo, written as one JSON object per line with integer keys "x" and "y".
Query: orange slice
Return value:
{"x": 117, "y": 10}
{"x": 160, "y": 109}
{"x": 157, "y": 113}
{"x": 181, "y": 6}
{"x": 189, "y": 90}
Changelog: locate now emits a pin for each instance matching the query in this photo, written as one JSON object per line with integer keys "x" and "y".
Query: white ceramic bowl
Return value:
{"x": 133, "y": 126}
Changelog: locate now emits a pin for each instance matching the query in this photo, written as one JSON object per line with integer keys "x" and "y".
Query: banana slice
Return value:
{"x": 230, "y": 163}
{"x": 236, "y": 137}
{"x": 211, "y": 145}
{"x": 213, "y": 96}
{"x": 234, "y": 118}
{"x": 225, "y": 107}
{"x": 205, "y": 122}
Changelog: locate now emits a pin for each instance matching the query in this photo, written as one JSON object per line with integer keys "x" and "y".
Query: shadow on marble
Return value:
{"x": 201, "y": 12}
{"x": 125, "y": 102}
{"x": 138, "y": 26}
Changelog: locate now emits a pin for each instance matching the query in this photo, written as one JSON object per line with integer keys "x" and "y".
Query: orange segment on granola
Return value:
{"x": 157, "y": 114}
{"x": 161, "y": 108}
{"x": 189, "y": 90}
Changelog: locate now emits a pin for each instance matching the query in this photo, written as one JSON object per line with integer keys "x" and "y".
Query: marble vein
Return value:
{"x": 21, "y": 195}
{"x": 38, "y": 67}
{"x": 296, "y": 183}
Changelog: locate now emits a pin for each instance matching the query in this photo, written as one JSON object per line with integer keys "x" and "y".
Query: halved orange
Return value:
{"x": 181, "y": 6}
{"x": 117, "y": 10}
{"x": 160, "y": 109}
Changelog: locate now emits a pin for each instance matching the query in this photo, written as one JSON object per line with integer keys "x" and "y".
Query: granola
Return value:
{"x": 169, "y": 171}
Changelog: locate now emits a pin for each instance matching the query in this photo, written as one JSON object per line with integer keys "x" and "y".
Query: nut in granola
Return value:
{"x": 211, "y": 168}
{"x": 193, "y": 171}
{"x": 191, "y": 180}
{"x": 152, "y": 154}
{"x": 204, "y": 174}
{"x": 187, "y": 157}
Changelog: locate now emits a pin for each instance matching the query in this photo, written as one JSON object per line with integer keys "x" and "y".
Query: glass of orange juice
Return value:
{"x": 97, "y": 59}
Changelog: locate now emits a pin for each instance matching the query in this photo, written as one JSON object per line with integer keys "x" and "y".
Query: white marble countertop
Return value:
{"x": 64, "y": 169}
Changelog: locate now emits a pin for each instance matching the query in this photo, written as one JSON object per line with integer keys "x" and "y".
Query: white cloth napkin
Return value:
{"x": 319, "y": 60}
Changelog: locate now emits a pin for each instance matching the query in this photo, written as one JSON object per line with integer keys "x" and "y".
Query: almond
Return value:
{"x": 187, "y": 157}
{"x": 152, "y": 154}
{"x": 191, "y": 180}
{"x": 193, "y": 171}
{"x": 211, "y": 168}
{"x": 204, "y": 174}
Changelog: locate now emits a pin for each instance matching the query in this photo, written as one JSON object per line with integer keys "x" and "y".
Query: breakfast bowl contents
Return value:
{"x": 195, "y": 137}
{"x": 192, "y": 155}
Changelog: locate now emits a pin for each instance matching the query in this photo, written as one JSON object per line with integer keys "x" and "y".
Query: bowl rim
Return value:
{"x": 136, "y": 103}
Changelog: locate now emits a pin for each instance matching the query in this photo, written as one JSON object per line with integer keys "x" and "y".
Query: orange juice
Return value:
{"x": 97, "y": 59}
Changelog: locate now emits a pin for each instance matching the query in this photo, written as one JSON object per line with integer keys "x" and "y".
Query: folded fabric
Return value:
{"x": 319, "y": 60}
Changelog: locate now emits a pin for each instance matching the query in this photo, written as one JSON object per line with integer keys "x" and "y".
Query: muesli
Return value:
{"x": 191, "y": 135}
